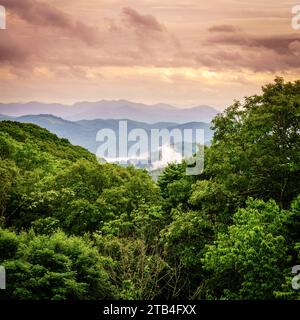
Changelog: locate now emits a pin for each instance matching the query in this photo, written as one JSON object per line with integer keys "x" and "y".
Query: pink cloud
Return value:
{"x": 224, "y": 28}
{"x": 46, "y": 15}
{"x": 146, "y": 22}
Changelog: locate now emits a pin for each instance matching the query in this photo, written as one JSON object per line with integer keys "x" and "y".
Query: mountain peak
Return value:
{"x": 114, "y": 109}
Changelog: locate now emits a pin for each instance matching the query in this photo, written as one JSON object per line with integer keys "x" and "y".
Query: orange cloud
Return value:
{"x": 44, "y": 14}
{"x": 146, "y": 22}
{"x": 112, "y": 47}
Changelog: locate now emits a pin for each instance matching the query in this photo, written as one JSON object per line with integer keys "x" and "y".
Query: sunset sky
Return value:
{"x": 182, "y": 52}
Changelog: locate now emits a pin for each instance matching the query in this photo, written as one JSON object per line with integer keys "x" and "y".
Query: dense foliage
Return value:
{"x": 72, "y": 228}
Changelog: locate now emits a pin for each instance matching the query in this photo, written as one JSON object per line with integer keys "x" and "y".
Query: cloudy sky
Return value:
{"x": 185, "y": 53}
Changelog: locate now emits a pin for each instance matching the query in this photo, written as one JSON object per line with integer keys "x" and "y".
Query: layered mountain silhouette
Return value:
{"x": 118, "y": 109}
{"x": 83, "y": 132}
{"x": 80, "y": 122}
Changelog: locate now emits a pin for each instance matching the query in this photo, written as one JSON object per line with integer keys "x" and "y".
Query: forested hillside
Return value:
{"x": 84, "y": 132}
{"x": 72, "y": 228}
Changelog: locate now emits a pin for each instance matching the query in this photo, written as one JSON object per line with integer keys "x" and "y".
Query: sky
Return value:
{"x": 184, "y": 53}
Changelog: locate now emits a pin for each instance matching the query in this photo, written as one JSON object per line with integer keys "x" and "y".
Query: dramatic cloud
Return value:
{"x": 182, "y": 53}
{"x": 255, "y": 52}
{"x": 46, "y": 15}
{"x": 146, "y": 22}
{"x": 237, "y": 37}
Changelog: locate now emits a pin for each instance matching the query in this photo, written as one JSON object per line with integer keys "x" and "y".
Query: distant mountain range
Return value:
{"x": 119, "y": 109}
{"x": 84, "y": 132}
{"x": 81, "y": 122}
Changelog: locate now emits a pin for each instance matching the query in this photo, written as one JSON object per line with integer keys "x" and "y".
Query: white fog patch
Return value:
{"x": 168, "y": 155}
{"x": 152, "y": 150}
